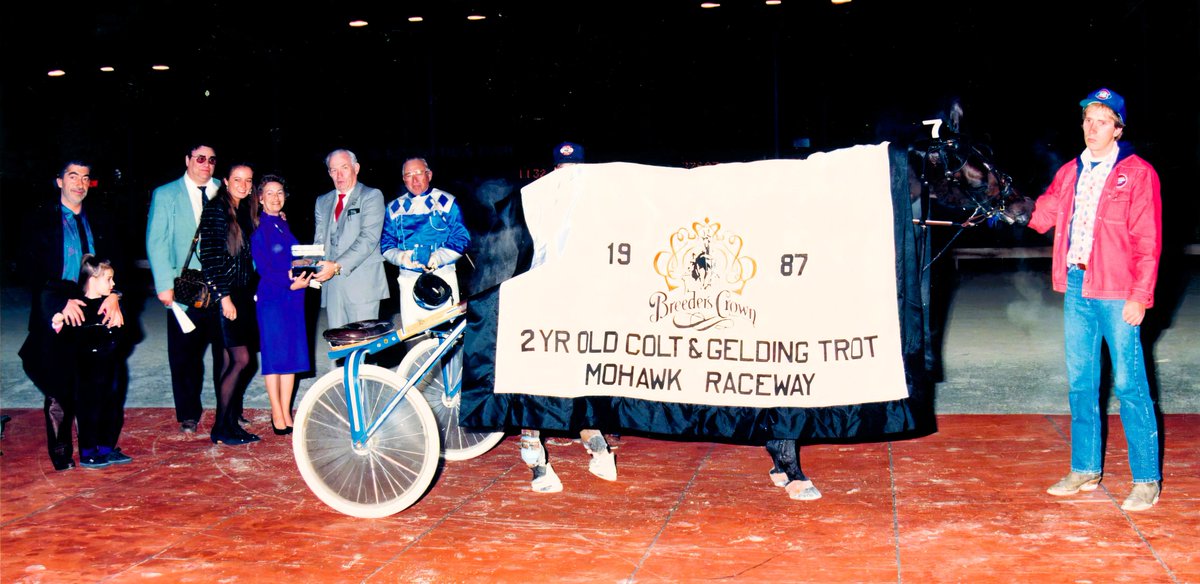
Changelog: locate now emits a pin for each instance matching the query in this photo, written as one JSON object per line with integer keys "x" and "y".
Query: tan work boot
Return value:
{"x": 1073, "y": 483}
{"x": 1142, "y": 497}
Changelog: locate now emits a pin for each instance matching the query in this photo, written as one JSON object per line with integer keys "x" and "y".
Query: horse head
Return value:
{"x": 959, "y": 174}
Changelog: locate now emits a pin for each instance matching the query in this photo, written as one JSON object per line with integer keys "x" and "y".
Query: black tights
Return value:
{"x": 236, "y": 359}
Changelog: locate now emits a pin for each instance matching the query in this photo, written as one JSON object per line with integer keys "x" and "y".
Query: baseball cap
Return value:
{"x": 1109, "y": 98}
{"x": 568, "y": 152}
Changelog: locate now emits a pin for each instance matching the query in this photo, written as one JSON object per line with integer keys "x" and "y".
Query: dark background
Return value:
{"x": 658, "y": 82}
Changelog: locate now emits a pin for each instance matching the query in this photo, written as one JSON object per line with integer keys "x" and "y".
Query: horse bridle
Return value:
{"x": 950, "y": 152}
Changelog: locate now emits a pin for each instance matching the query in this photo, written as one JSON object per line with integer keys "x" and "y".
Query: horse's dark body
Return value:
{"x": 947, "y": 175}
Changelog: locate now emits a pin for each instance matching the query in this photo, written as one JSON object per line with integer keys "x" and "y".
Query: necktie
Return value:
{"x": 83, "y": 238}
{"x": 337, "y": 211}
{"x": 203, "y": 195}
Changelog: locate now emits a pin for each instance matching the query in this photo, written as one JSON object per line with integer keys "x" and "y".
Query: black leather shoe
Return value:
{"x": 61, "y": 466}
{"x": 118, "y": 457}
{"x": 281, "y": 431}
{"x": 188, "y": 426}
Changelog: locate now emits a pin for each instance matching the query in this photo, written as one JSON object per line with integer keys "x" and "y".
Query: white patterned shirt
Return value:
{"x": 1087, "y": 198}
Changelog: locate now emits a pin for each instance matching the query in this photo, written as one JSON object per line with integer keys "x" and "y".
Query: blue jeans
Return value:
{"x": 1087, "y": 321}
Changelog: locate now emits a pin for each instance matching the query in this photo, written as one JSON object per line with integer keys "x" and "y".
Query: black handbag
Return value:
{"x": 191, "y": 289}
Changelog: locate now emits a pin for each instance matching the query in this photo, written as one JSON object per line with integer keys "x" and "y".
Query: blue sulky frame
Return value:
{"x": 355, "y": 354}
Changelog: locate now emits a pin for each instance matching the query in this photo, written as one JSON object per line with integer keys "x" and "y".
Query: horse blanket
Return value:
{"x": 778, "y": 299}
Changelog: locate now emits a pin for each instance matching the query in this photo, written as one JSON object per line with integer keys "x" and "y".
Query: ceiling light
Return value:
{"x": 774, "y": 2}
{"x": 416, "y": 19}
{"x": 56, "y": 73}
{"x": 358, "y": 23}
{"x": 107, "y": 69}
{"x": 840, "y": 1}
{"x": 710, "y": 4}
{"x": 476, "y": 17}
{"x": 160, "y": 67}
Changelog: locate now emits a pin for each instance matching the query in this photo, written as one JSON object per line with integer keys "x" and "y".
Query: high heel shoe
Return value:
{"x": 283, "y": 432}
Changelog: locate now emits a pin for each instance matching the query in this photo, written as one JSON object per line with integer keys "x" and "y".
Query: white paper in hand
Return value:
{"x": 185, "y": 323}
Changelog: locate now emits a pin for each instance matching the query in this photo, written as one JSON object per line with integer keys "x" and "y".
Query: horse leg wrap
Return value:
{"x": 593, "y": 441}
{"x": 604, "y": 465}
{"x": 545, "y": 480}
{"x": 532, "y": 452}
{"x": 604, "y": 462}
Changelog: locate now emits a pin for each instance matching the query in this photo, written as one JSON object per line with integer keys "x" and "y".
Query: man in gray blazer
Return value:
{"x": 174, "y": 214}
{"x": 348, "y": 222}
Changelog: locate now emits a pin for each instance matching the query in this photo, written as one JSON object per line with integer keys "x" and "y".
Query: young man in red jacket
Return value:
{"x": 1106, "y": 211}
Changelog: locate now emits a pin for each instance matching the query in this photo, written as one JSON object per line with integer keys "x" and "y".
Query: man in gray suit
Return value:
{"x": 174, "y": 214}
{"x": 348, "y": 222}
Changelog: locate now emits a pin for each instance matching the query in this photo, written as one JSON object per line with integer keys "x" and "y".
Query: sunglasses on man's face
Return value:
{"x": 202, "y": 159}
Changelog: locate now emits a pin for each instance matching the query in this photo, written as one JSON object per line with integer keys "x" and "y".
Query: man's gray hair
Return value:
{"x": 353, "y": 158}
{"x": 410, "y": 159}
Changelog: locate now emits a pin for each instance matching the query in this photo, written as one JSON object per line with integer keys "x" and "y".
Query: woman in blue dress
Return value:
{"x": 281, "y": 323}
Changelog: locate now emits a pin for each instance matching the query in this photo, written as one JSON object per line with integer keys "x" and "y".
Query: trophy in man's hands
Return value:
{"x": 305, "y": 259}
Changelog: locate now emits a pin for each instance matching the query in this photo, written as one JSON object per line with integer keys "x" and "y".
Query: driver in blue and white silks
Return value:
{"x": 423, "y": 231}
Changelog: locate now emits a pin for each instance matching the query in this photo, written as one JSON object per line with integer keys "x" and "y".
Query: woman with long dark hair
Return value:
{"x": 225, "y": 228}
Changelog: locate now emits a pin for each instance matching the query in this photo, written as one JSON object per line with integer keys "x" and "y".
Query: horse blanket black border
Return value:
{"x": 898, "y": 419}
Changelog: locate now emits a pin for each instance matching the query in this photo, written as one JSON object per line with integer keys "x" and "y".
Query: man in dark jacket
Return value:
{"x": 56, "y": 237}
